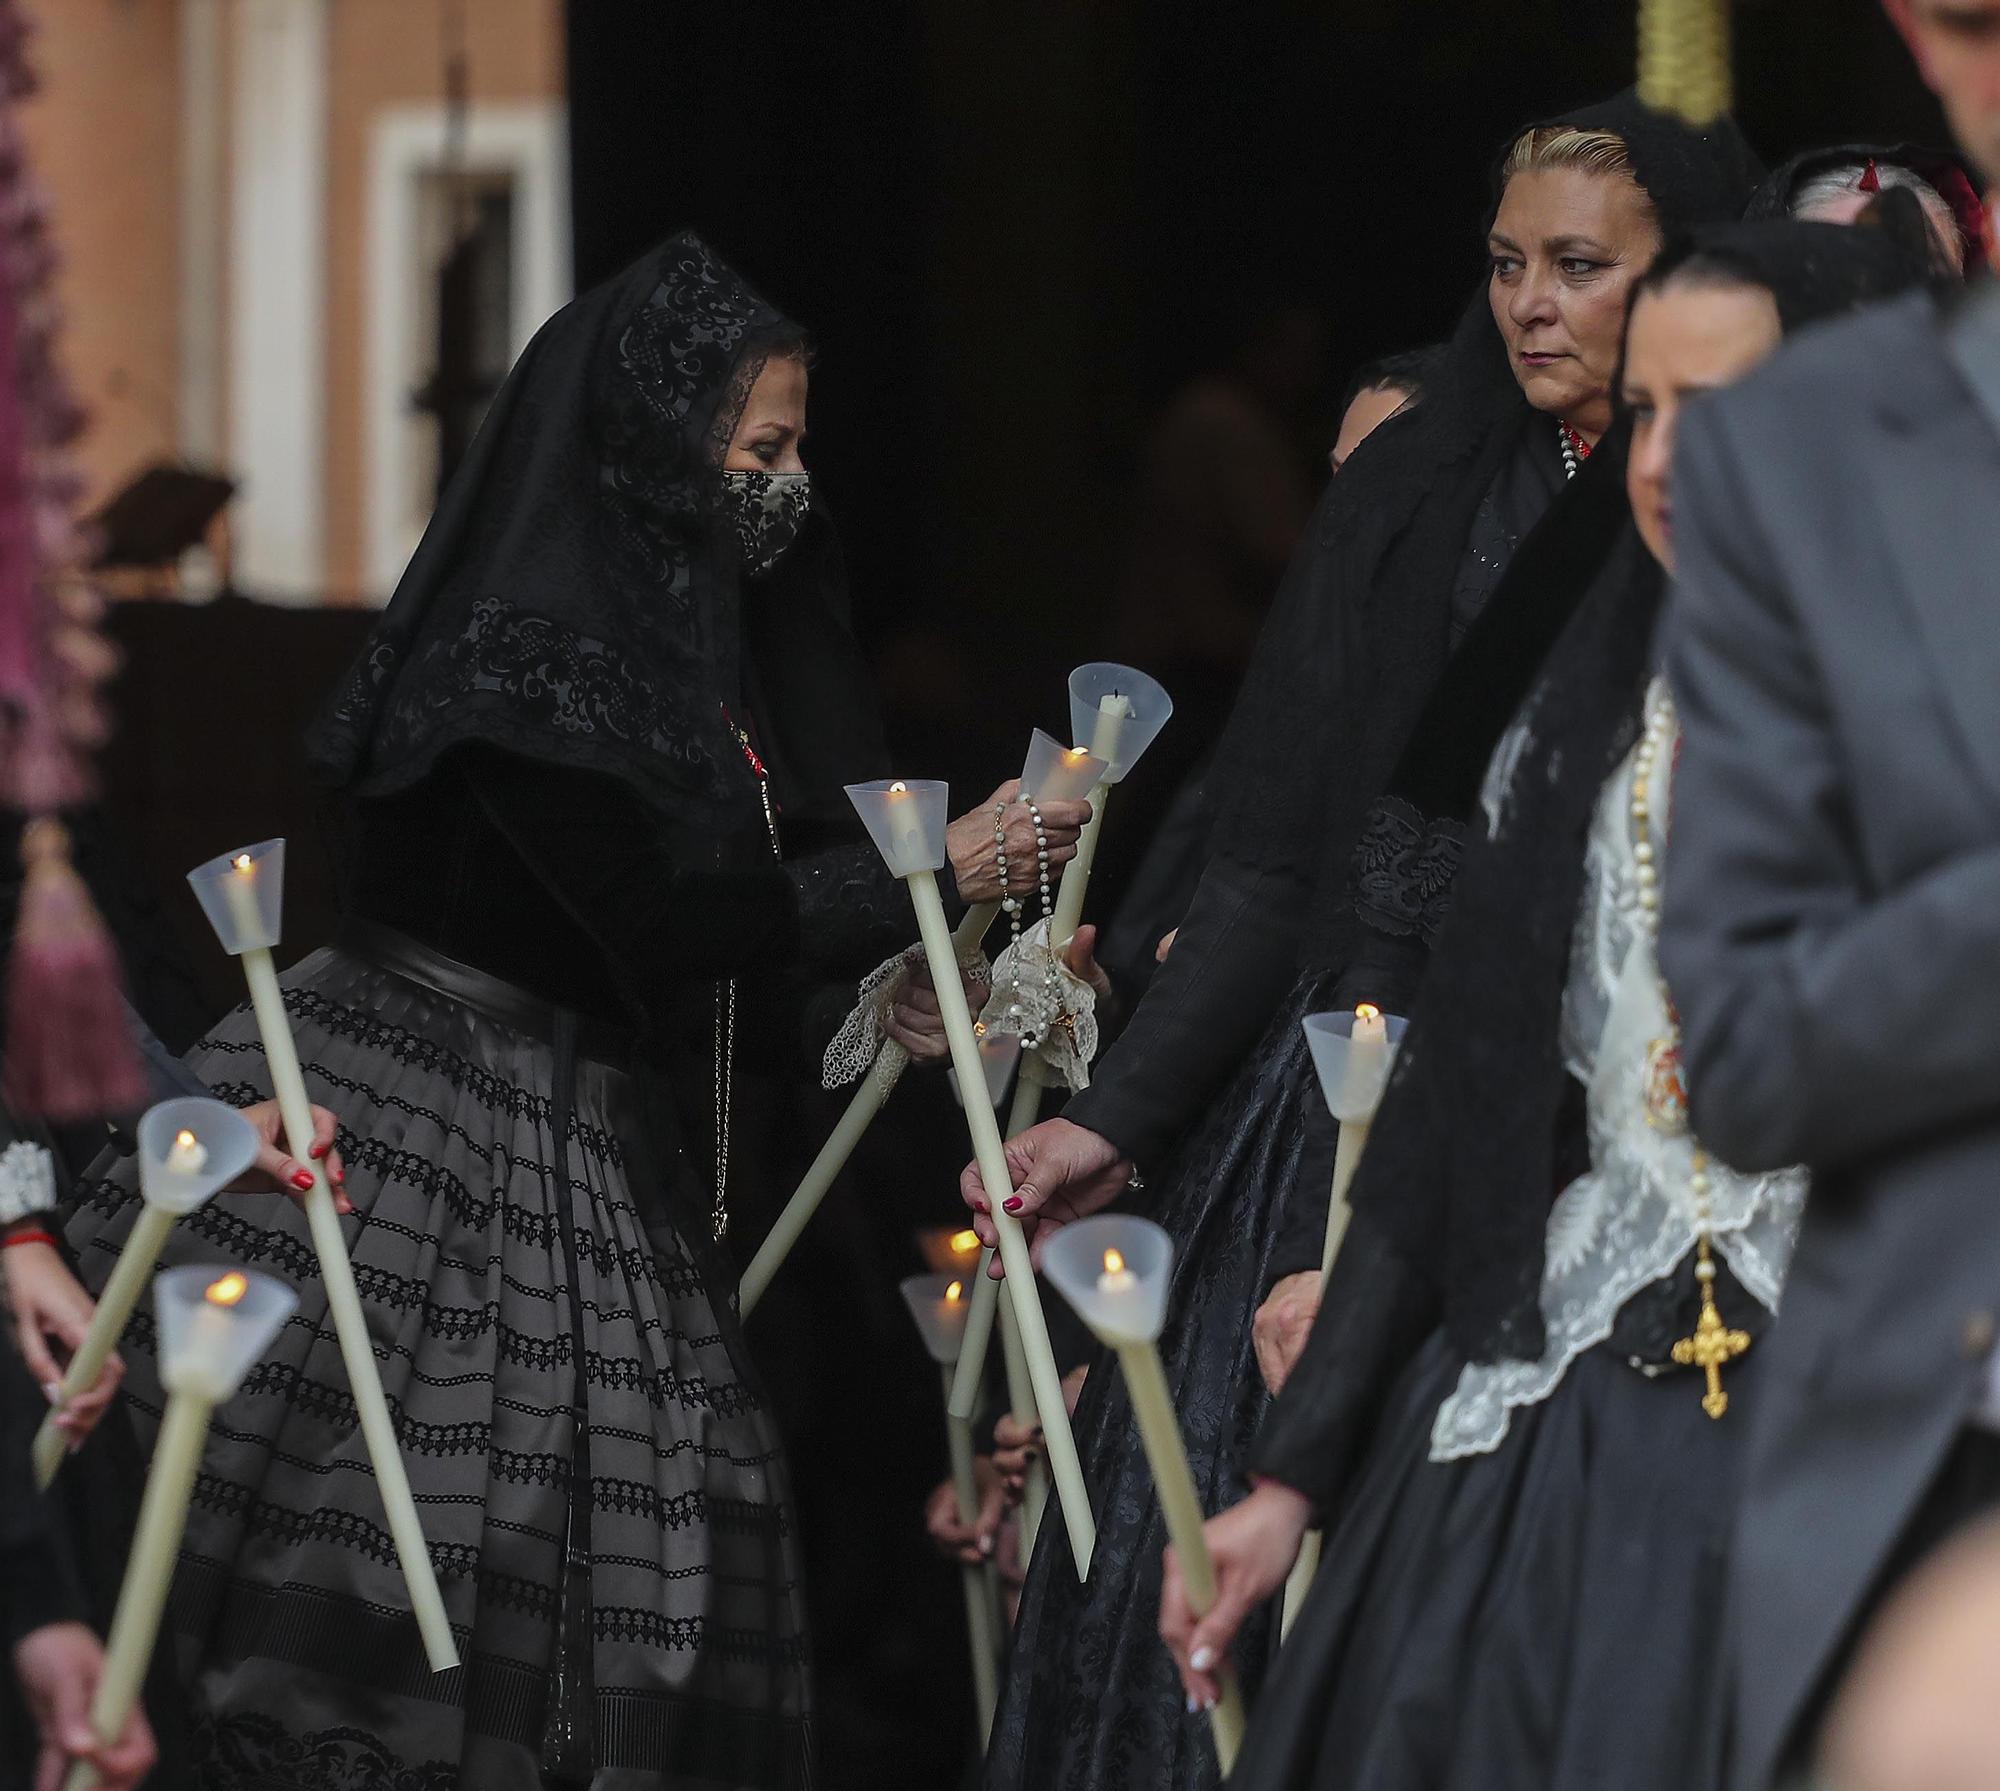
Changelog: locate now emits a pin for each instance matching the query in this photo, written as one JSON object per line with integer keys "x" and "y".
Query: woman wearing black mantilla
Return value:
{"x": 1523, "y": 1411}
{"x": 1330, "y": 875}
{"x": 592, "y": 756}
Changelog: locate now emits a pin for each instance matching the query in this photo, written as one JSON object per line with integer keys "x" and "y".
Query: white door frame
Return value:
{"x": 528, "y": 140}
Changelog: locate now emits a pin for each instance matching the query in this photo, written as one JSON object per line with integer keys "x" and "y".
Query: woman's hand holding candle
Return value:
{"x": 50, "y": 1306}
{"x": 1282, "y": 1325}
{"x": 1080, "y": 954}
{"x": 974, "y": 854}
{"x": 277, "y": 1170}
{"x": 916, "y": 1022}
{"x": 59, "y": 1666}
{"x": 969, "y": 1544}
{"x": 1061, "y": 1172}
{"x": 1016, "y": 1445}
{"x": 1252, "y": 1547}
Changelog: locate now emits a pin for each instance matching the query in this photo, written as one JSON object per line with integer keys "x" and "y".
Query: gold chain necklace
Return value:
{"x": 1714, "y": 1344}
{"x": 725, "y": 1010}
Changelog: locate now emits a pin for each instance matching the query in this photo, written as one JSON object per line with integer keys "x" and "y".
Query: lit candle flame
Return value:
{"x": 226, "y": 1292}
{"x": 963, "y": 1243}
{"x": 241, "y": 862}
{"x": 1114, "y": 1263}
{"x": 184, "y": 1140}
{"x": 954, "y": 1293}
{"x": 1368, "y": 1011}
{"x": 1077, "y": 752}
{"x": 899, "y": 788}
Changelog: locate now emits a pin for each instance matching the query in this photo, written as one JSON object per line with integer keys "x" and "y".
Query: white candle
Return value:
{"x": 1020, "y": 1277}
{"x": 350, "y": 1323}
{"x": 1124, "y": 1312}
{"x": 982, "y": 1616}
{"x": 1021, "y": 1408}
{"x": 1180, "y": 1505}
{"x": 902, "y": 819}
{"x": 950, "y": 1315}
{"x": 240, "y": 890}
{"x": 187, "y": 1156}
{"x": 982, "y": 1309}
{"x": 199, "y": 1381}
{"x": 129, "y": 1276}
{"x": 156, "y": 1543}
{"x": 1113, "y": 711}
{"x": 1368, "y": 1059}
{"x": 867, "y": 1101}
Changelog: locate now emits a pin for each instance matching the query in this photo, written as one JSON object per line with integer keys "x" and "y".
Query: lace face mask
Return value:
{"x": 767, "y": 510}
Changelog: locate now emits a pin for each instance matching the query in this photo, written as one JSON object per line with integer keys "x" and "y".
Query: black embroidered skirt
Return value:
{"x": 291, "y": 1624}
{"x": 1550, "y": 1614}
{"x": 1091, "y": 1699}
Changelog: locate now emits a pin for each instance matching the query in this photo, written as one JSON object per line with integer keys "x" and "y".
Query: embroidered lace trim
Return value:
{"x": 1630, "y": 1221}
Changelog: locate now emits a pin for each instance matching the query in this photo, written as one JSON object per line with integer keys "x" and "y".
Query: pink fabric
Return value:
{"x": 70, "y": 1053}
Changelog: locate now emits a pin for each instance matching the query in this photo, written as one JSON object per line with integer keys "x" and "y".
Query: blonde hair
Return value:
{"x": 1549, "y": 147}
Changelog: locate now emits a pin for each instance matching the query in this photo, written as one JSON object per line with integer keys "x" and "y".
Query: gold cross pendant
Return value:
{"x": 1713, "y": 1343}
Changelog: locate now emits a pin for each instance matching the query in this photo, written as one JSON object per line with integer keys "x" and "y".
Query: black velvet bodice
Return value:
{"x": 567, "y": 884}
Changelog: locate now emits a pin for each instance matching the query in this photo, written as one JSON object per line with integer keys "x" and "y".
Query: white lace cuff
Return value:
{"x": 27, "y": 1181}
{"x": 859, "y": 1041}
{"x": 1036, "y": 996}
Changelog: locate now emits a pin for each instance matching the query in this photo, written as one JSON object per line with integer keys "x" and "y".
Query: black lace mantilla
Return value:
{"x": 1404, "y": 867}
{"x": 577, "y": 597}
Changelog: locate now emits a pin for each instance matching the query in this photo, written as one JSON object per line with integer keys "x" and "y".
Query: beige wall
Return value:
{"x": 388, "y": 53}
{"x": 104, "y": 134}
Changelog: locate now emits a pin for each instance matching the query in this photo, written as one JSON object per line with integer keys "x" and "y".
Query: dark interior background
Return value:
{"x": 1014, "y": 231}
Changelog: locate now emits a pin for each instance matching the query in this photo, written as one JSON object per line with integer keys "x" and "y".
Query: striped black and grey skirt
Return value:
{"x": 565, "y": 1386}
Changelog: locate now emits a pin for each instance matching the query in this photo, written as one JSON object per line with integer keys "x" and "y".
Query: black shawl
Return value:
{"x": 1464, "y": 1159}
{"x": 577, "y": 599}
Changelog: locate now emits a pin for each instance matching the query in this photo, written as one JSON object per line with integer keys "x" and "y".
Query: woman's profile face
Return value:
{"x": 772, "y": 428}
{"x": 1684, "y": 341}
{"x": 1566, "y": 246}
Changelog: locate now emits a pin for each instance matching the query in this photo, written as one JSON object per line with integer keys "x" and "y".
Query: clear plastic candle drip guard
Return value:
{"x": 243, "y": 895}
{"x": 939, "y": 1304}
{"x": 1058, "y": 773}
{"x": 906, "y": 818}
{"x": 1116, "y": 1270}
{"x": 1148, "y": 710}
{"x": 215, "y": 1322}
{"x": 1353, "y": 1073}
{"x": 224, "y": 1140}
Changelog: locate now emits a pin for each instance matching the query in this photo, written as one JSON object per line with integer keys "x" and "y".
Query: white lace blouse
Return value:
{"x": 1630, "y": 1220}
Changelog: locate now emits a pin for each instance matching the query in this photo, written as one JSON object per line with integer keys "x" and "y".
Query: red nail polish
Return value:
{"x": 318, "y": 1150}
{"x": 1012, "y": 1203}
{"x": 303, "y": 1180}
{"x": 980, "y": 1206}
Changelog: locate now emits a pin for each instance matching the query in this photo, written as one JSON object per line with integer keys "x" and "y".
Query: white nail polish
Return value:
{"x": 52, "y": 1392}
{"x": 1202, "y": 1659}
{"x": 1193, "y": 1704}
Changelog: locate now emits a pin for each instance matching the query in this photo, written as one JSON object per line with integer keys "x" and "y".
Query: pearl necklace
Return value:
{"x": 1713, "y": 1343}
{"x": 1575, "y": 449}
